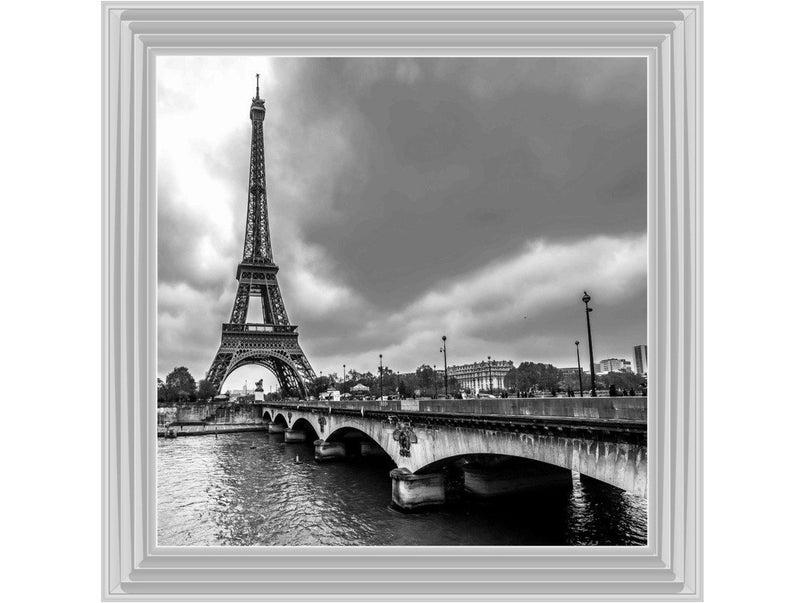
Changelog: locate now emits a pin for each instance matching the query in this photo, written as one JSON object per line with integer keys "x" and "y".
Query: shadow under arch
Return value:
{"x": 490, "y": 462}
{"x": 279, "y": 419}
{"x": 302, "y": 424}
{"x": 483, "y": 476}
{"x": 500, "y": 472}
{"x": 359, "y": 443}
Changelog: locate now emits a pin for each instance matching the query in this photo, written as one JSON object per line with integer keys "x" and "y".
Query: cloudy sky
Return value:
{"x": 409, "y": 198}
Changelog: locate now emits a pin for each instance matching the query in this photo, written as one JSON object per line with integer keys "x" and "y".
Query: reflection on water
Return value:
{"x": 220, "y": 491}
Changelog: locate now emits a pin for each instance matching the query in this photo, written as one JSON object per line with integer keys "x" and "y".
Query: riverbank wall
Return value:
{"x": 209, "y": 429}
{"x": 217, "y": 413}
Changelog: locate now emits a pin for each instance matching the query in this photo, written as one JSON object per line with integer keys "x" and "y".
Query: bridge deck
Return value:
{"x": 628, "y": 413}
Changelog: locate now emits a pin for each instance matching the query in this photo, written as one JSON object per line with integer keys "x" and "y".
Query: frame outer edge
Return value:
{"x": 127, "y": 265}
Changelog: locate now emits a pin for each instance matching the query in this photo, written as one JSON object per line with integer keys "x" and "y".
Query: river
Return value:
{"x": 247, "y": 489}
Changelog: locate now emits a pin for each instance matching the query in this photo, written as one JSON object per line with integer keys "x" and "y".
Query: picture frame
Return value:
{"x": 668, "y": 35}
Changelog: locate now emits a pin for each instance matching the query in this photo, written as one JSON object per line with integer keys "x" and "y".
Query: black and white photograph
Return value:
{"x": 402, "y": 301}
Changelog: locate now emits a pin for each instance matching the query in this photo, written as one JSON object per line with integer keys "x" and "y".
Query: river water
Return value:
{"x": 247, "y": 489}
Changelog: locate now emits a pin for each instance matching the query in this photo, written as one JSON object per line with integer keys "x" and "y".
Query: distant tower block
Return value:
{"x": 273, "y": 342}
{"x": 641, "y": 359}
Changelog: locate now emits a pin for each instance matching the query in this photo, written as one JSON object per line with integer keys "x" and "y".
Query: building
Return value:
{"x": 330, "y": 394}
{"x": 483, "y": 375}
{"x": 641, "y": 359}
{"x": 613, "y": 365}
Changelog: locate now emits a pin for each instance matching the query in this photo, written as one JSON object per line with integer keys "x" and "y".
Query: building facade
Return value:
{"x": 613, "y": 365}
{"x": 641, "y": 359}
{"x": 483, "y": 375}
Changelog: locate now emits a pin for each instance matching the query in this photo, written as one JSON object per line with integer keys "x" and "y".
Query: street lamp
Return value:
{"x": 435, "y": 382}
{"x": 344, "y": 378}
{"x": 586, "y": 299}
{"x": 491, "y": 389}
{"x": 380, "y": 376}
{"x": 580, "y": 372}
{"x": 446, "y": 383}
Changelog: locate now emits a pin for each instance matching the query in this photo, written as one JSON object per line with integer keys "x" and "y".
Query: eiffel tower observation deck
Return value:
{"x": 273, "y": 342}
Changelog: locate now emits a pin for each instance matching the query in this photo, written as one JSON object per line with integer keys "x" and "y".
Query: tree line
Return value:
{"x": 527, "y": 379}
{"x": 423, "y": 382}
{"x": 531, "y": 378}
{"x": 179, "y": 386}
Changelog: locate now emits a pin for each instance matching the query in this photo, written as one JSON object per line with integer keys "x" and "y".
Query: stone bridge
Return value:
{"x": 602, "y": 438}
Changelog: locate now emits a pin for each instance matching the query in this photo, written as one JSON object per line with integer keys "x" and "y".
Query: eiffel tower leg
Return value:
{"x": 240, "y": 307}
{"x": 217, "y": 371}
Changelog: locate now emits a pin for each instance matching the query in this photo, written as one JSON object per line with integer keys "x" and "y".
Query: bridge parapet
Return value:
{"x": 625, "y": 408}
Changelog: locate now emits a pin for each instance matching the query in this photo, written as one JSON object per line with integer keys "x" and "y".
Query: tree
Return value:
{"x": 510, "y": 379}
{"x": 180, "y": 385}
{"x": 622, "y": 380}
{"x": 206, "y": 390}
{"x": 320, "y": 384}
{"x": 425, "y": 375}
{"x": 388, "y": 382}
{"x": 570, "y": 382}
{"x": 404, "y": 390}
{"x": 161, "y": 391}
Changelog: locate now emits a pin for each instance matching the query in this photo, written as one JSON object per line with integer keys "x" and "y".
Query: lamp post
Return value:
{"x": 444, "y": 349}
{"x": 580, "y": 372}
{"x": 586, "y": 299}
{"x": 491, "y": 389}
{"x": 344, "y": 378}
{"x": 380, "y": 376}
{"x": 435, "y": 382}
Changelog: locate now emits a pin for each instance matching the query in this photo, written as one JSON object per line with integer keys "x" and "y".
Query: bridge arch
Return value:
{"x": 304, "y": 424}
{"x": 280, "y": 419}
{"x": 358, "y": 442}
{"x": 620, "y": 464}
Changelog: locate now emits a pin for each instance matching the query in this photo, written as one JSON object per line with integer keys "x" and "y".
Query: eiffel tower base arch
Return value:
{"x": 292, "y": 381}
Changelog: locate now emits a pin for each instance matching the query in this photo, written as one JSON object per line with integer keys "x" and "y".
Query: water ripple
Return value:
{"x": 220, "y": 491}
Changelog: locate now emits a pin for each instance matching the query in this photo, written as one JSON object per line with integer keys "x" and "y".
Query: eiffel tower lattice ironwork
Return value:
{"x": 274, "y": 342}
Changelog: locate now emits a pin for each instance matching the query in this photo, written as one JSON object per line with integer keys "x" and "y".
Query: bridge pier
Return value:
{"x": 329, "y": 451}
{"x": 295, "y": 435}
{"x": 486, "y": 481}
{"x": 276, "y": 428}
{"x": 410, "y": 491}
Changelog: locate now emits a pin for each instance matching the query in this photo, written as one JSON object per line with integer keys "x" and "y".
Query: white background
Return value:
{"x": 50, "y": 257}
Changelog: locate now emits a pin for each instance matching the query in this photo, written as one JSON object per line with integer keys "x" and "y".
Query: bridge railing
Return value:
{"x": 614, "y": 408}
{"x": 257, "y": 328}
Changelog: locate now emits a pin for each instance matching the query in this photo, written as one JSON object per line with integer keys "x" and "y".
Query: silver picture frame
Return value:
{"x": 667, "y": 35}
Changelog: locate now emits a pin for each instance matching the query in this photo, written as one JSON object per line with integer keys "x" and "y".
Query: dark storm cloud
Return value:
{"x": 443, "y": 178}
{"x": 410, "y": 197}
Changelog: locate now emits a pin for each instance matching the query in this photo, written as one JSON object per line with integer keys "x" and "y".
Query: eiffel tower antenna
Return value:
{"x": 271, "y": 342}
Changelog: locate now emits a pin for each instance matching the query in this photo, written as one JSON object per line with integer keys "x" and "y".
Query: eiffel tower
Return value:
{"x": 274, "y": 342}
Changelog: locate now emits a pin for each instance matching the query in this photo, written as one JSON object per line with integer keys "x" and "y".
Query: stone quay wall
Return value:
{"x": 238, "y": 414}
